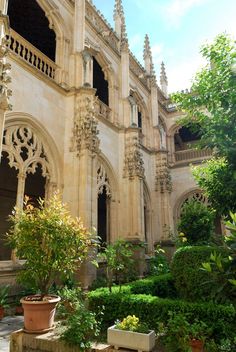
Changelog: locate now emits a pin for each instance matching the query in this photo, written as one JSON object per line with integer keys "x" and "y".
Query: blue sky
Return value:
{"x": 176, "y": 29}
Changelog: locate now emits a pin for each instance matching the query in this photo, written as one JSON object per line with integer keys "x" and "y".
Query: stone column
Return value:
{"x": 133, "y": 180}
{"x": 78, "y": 43}
{"x": 86, "y": 147}
{"x": 4, "y": 78}
{"x": 79, "y": 25}
{"x": 3, "y": 6}
{"x": 164, "y": 189}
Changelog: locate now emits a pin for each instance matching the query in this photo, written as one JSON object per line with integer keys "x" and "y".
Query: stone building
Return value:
{"x": 88, "y": 119}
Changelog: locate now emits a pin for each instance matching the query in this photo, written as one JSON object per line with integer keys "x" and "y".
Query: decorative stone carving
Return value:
{"x": 103, "y": 181}
{"x": 163, "y": 176}
{"x": 133, "y": 158}
{"x": 5, "y": 79}
{"x": 85, "y": 131}
{"x": 25, "y": 150}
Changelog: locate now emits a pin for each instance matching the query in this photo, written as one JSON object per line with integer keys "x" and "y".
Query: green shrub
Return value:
{"x": 191, "y": 282}
{"x": 196, "y": 222}
{"x": 161, "y": 286}
{"x": 153, "y": 310}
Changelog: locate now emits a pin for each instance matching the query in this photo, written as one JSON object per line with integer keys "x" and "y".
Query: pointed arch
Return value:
{"x": 46, "y": 148}
{"x": 193, "y": 193}
{"x": 108, "y": 196}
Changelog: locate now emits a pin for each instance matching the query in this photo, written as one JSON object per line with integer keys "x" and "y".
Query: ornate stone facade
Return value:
{"x": 89, "y": 120}
{"x": 133, "y": 158}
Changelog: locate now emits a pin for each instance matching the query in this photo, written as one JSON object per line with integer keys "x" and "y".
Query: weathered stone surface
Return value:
{"x": 49, "y": 342}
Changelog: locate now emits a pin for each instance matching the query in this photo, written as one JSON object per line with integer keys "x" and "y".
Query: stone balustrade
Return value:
{"x": 191, "y": 155}
{"x": 34, "y": 57}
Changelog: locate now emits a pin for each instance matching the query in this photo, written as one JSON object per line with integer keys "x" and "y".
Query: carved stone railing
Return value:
{"x": 98, "y": 21}
{"x": 34, "y": 57}
{"x": 103, "y": 110}
{"x": 192, "y": 155}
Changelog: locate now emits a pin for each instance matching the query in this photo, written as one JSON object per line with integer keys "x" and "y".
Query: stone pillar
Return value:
{"x": 3, "y": 6}
{"x": 164, "y": 189}
{"x": 125, "y": 73}
{"x": 134, "y": 175}
{"x": 86, "y": 147}
{"x": 78, "y": 43}
{"x": 133, "y": 212}
{"x": 154, "y": 105}
{"x": 88, "y": 69}
{"x": 79, "y": 25}
{"x": 4, "y": 78}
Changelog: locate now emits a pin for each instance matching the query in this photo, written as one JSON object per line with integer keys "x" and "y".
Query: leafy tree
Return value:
{"x": 210, "y": 108}
{"x": 216, "y": 178}
{"x": 120, "y": 264}
{"x": 196, "y": 222}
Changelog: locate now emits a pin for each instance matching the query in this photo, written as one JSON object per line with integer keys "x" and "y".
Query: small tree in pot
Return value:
{"x": 52, "y": 243}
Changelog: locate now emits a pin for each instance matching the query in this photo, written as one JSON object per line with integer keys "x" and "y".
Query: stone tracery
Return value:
{"x": 25, "y": 150}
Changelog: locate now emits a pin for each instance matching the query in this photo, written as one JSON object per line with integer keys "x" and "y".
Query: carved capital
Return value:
{"x": 163, "y": 176}
{"x": 133, "y": 158}
{"x": 85, "y": 130}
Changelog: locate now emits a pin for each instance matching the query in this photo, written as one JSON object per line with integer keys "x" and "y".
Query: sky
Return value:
{"x": 177, "y": 29}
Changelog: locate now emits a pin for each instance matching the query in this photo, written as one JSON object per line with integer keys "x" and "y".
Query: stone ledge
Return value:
{"x": 49, "y": 342}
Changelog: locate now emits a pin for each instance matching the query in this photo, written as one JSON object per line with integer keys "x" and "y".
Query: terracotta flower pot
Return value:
{"x": 196, "y": 345}
{"x": 19, "y": 310}
{"x": 39, "y": 315}
{"x": 1, "y": 312}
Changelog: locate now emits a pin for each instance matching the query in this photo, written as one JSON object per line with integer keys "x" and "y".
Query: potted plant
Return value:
{"x": 198, "y": 331}
{"x": 183, "y": 334}
{"x": 130, "y": 333}
{"x": 52, "y": 244}
{"x": 3, "y": 299}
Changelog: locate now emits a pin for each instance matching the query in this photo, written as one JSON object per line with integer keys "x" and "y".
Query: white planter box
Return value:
{"x": 130, "y": 339}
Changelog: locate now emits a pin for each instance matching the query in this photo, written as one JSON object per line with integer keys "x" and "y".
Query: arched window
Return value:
{"x": 184, "y": 139}
{"x": 29, "y": 20}
{"x": 103, "y": 205}
{"x": 100, "y": 83}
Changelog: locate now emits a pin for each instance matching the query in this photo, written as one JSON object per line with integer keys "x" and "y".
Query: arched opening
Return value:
{"x": 35, "y": 186}
{"x": 8, "y": 192}
{"x": 100, "y": 83}
{"x": 103, "y": 217}
{"x": 185, "y": 139}
{"x": 140, "y": 121}
{"x": 29, "y": 20}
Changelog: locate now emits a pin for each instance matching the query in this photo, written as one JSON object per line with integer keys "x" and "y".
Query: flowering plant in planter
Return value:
{"x": 132, "y": 323}
{"x": 51, "y": 242}
{"x": 131, "y": 333}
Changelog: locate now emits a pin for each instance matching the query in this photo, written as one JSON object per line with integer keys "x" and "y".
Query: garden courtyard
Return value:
{"x": 80, "y": 292}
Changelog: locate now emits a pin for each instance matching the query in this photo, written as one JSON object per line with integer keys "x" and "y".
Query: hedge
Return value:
{"x": 191, "y": 282}
{"x": 153, "y": 310}
{"x": 161, "y": 286}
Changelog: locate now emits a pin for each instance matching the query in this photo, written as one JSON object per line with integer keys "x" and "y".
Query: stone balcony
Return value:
{"x": 184, "y": 157}
{"x": 25, "y": 51}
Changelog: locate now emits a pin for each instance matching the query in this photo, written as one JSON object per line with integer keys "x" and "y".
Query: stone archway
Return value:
{"x": 28, "y": 164}
{"x": 107, "y": 195}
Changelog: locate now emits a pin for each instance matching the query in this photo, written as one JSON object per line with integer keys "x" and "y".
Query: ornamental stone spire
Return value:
{"x": 120, "y": 26}
{"x": 147, "y": 56}
{"x": 164, "y": 80}
{"x": 118, "y": 16}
